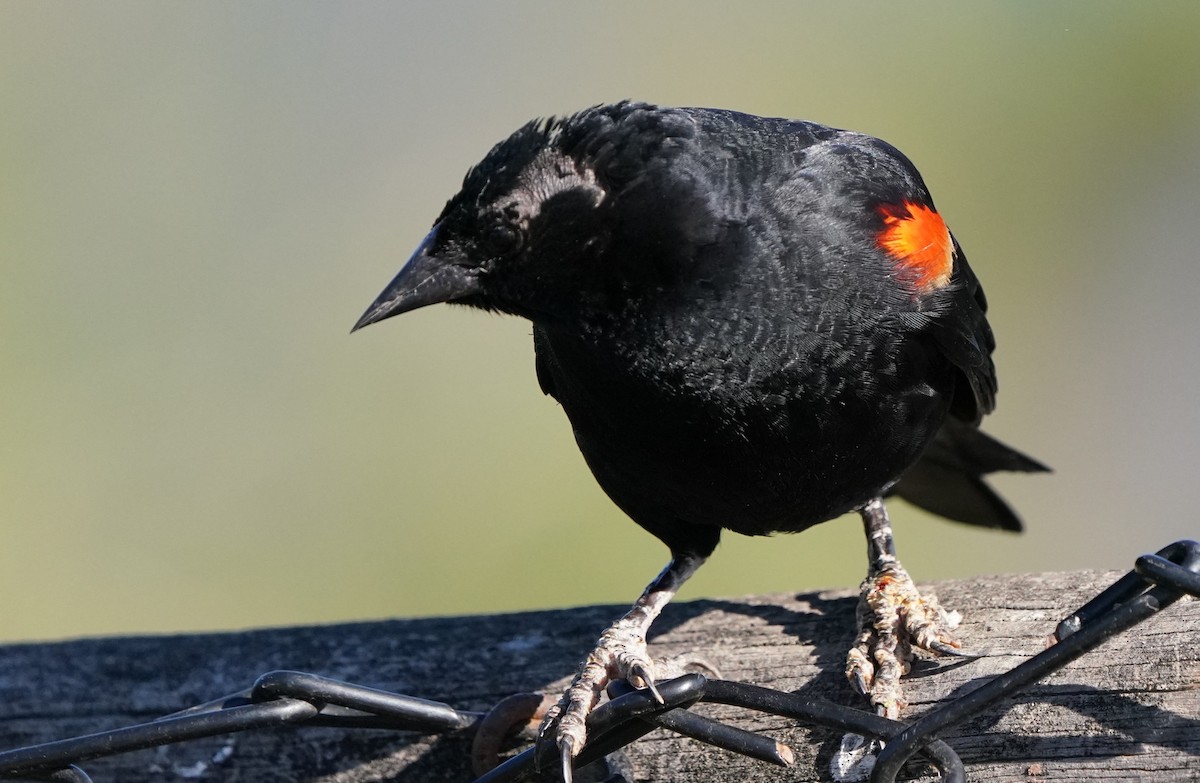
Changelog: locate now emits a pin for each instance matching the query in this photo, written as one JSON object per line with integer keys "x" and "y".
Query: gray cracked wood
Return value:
{"x": 1128, "y": 711}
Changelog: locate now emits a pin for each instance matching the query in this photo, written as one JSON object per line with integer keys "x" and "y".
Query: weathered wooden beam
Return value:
{"x": 1129, "y": 711}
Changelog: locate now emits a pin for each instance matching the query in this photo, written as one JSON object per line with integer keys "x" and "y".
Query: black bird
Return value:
{"x": 753, "y": 324}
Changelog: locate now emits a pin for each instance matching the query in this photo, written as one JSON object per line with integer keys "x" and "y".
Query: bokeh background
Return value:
{"x": 198, "y": 200}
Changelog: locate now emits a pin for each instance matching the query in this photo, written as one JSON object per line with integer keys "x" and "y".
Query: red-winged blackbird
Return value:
{"x": 752, "y": 324}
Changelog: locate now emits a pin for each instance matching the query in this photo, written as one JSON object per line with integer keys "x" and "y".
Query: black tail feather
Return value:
{"x": 948, "y": 479}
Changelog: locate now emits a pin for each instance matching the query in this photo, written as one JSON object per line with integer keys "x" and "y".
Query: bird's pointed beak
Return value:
{"x": 428, "y": 278}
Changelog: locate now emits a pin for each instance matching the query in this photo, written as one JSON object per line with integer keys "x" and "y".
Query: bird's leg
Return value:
{"x": 620, "y": 653}
{"x": 893, "y": 618}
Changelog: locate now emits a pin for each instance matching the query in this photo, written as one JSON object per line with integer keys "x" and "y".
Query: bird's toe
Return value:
{"x": 895, "y": 619}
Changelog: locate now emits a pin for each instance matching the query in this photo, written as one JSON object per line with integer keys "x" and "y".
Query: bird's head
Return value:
{"x": 539, "y": 221}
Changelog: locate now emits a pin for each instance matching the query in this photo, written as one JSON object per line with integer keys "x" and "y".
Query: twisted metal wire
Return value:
{"x": 289, "y": 698}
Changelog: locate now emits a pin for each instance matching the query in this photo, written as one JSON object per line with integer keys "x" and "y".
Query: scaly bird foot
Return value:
{"x": 620, "y": 654}
{"x": 893, "y": 619}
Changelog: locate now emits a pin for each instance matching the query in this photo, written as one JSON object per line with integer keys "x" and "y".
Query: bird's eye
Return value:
{"x": 503, "y": 239}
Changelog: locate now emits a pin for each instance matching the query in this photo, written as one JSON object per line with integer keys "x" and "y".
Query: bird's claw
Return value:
{"x": 620, "y": 654}
{"x": 567, "y": 753}
{"x": 859, "y": 671}
{"x": 954, "y": 651}
{"x": 894, "y": 619}
{"x": 646, "y": 677}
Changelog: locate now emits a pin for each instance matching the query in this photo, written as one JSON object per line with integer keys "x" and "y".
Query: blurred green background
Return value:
{"x": 198, "y": 200}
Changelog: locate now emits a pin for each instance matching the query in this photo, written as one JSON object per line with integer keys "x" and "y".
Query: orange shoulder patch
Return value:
{"x": 916, "y": 237}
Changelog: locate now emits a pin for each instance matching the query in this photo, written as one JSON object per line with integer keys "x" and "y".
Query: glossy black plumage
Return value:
{"x": 714, "y": 311}
{"x": 752, "y": 324}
